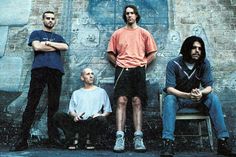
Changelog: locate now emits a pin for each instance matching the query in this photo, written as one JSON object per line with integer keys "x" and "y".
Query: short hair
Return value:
{"x": 187, "y": 47}
{"x": 47, "y": 12}
{"x": 135, "y": 11}
{"x": 83, "y": 71}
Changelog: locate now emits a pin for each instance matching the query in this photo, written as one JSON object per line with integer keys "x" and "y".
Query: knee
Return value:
{"x": 122, "y": 101}
{"x": 170, "y": 102}
{"x": 58, "y": 116}
{"x": 212, "y": 100}
{"x": 212, "y": 96}
{"x": 136, "y": 102}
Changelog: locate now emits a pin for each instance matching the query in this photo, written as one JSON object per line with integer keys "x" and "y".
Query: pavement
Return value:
{"x": 54, "y": 152}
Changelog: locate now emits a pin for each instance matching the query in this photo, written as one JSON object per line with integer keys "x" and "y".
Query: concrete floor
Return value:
{"x": 53, "y": 152}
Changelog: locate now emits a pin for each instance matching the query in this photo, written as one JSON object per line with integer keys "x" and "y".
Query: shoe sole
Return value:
{"x": 118, "y": 151}
{"x": 140, "y": 150}
{"x": 90, "y": 148}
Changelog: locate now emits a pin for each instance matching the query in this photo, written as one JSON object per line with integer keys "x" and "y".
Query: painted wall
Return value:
{"x": 87, "y": 26}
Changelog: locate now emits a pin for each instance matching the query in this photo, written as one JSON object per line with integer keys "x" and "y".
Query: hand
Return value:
{"x": 79, "y": 117}
{"x": 144, "y": 65}
{"x": 196, "y": 94}
{"x": 47, "y": 43}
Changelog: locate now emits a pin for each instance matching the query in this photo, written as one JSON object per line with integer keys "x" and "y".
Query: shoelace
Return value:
{"x": 119, "y": 141}
{"x": 138, "y": 141}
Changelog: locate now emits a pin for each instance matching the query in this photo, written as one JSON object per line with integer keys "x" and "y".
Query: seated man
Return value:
{"x": 89, "y": 106}
{"x": 184, "y": 76}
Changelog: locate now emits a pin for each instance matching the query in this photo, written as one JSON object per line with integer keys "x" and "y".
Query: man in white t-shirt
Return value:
{"x": 87, "y": 115}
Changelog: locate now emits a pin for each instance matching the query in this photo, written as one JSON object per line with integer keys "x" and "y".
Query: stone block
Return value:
{"x": 10, "y": 73}
{"x": 3, "y": 39}
{"x": 14, "y": 12}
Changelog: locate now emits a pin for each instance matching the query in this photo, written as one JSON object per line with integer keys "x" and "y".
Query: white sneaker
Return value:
{"x": 120, "y": 144}
{"x": 138, "y": 144}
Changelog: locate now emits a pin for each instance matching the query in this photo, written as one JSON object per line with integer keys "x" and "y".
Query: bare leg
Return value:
{"x": 121, "y": 112}
{"x": 137, "y": 113}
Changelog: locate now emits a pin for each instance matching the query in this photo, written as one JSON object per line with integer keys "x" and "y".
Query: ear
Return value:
{"x": 81, "y": 77}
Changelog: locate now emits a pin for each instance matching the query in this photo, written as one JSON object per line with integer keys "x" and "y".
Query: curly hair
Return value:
{"x": 135, "y": 11}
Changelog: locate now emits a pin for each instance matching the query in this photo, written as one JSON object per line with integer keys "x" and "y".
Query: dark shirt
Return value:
{"x": 179, "y": 76}
{"x": 46, "y": 59}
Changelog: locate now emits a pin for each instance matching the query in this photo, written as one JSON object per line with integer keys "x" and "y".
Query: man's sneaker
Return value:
{"x": 120, "y": 144}
{"x": 138, "y": 144}
{"x": 224, "y": 148}
{"x": 167, "y": 148}
{"x": 21, "y": 144}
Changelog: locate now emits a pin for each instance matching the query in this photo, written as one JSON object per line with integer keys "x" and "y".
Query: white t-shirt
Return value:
{"x": 89, "y": 101}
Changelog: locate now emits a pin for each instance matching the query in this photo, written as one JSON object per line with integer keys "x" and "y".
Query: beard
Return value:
{"x": 49, "y": 25}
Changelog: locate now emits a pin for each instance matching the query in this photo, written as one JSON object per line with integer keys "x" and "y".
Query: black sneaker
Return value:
{"x": 20, "y": 145}
{"x": 224, "y": 148}
{"x": 167, "y": 148}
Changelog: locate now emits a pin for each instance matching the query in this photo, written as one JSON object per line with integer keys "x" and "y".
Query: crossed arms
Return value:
{"x": 47, "y": 46}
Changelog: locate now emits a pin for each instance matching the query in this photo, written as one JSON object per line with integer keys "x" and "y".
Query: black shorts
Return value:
{"x": 130, "y": 82}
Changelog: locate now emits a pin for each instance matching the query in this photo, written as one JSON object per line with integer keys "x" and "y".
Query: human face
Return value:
{"x": 196, "y": 51}
{"x": 49, "y": 20}
{"x": 130, "y": 16}
{"x": 88, "y": 76}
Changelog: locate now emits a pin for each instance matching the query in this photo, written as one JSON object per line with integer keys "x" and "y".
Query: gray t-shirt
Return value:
{"x": 89, "y": 101}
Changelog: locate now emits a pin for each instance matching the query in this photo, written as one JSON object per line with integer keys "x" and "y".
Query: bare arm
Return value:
{"x": 151, "y": 56}
{"x": 76, "y": 116}
{"x": 101, "y": 114}
{"x": 48, "y": 46}
{"x": 56, "y": 45}
{"x": 195, "y": 94}
{"x": 111, "y": 57}
{"x": 178, "y": 93}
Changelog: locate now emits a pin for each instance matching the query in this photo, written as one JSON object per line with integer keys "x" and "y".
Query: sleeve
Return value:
{"x": 150, "y": 44}
{"x": 112, "y": 44}
{"x": 207, "y": 78}
{"x": 72, "y": 104}
{"x": 170, "y": 75}
{"x": 34, "y": 36}
{"x": 60, "y": 39}
{"x": 107, "y": 104}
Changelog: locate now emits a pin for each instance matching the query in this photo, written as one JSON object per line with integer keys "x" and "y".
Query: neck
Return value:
{"x": 47, "y": 29}
{"x": 132, "y": 26}
{"x": 89, "y": 86}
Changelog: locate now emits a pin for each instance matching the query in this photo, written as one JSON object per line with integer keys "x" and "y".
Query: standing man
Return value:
{"x": 189, "y": 83}
{"x": 47, "y": 69}
{"x": 87, "y": 115}
{"x": 131, "y": 49}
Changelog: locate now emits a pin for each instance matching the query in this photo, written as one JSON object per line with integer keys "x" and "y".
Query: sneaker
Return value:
{"x": 120, "y": 144}
{"x": 224, "y": 148}
{"x": 21, "y": 144}
{"x": 73, "y": 144}
{"x": 167, "y": 149}
{"x": 138, "y": 144}
{"x": 89, "y": 145}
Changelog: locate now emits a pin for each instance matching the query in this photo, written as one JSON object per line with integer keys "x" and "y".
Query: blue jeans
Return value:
{"x": 172, "y": 104}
